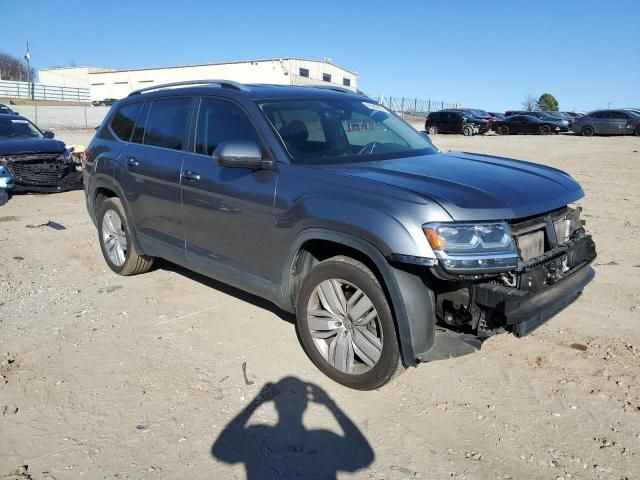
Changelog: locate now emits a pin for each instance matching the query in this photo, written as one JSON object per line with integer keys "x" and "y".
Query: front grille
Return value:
{"x": 536, "y": 235}
{"x": 36, "y": 169}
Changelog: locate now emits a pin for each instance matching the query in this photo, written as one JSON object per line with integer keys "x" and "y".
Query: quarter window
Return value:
{"x": 326, "y": 77}
{"x": 124, "y": 120}
{"x": 221, "y": 121}
{"x": 304, "y": 72}
{"x": 167, "y": 123}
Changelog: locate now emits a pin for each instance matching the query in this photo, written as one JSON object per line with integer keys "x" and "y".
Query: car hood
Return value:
{"x": 472, "y": 187}
{"x": 30, "y": 145}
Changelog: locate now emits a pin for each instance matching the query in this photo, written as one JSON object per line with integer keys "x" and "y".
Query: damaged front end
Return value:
{"x": 43, "y": 172}
{"x": 547, "y": 269}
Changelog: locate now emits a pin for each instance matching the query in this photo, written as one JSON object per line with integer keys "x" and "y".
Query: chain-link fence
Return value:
{"x": 415, "y": 107}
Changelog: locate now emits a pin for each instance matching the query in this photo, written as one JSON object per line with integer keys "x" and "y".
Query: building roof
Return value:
{"x": 110, "y": 70}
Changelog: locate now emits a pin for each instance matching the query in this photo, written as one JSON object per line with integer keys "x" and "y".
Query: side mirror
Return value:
{"x": 49, "y": 134}
{"x": 241, "y": 155}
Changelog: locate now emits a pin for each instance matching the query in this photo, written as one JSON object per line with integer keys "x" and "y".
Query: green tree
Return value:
{"x": 548, "y": 103}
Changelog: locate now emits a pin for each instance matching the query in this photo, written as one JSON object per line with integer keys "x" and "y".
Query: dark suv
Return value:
{"x": 389, "y": 252}
{"x": 450, "y": 121}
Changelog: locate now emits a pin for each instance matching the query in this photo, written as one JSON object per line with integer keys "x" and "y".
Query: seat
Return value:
{"x": 295, "y": 134}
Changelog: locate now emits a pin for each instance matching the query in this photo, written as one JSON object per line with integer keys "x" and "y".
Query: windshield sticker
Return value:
{"x": 19, "y": 121}
{"x": 373, "y": 106}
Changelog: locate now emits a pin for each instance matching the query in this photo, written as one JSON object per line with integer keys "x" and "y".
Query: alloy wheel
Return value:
{"x": 344, "y": 326}
{"x": 114, "y": 238}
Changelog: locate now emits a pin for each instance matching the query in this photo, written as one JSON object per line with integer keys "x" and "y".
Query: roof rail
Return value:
{"x": 331, "y": 87}
{"x": 218, "y": 83}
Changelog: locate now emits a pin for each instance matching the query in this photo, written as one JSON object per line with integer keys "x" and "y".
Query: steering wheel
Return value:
{"x": 369, "y": 146}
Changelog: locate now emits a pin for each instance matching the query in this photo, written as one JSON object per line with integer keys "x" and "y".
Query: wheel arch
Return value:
{"x": 104, "y": 190}
{"x": 410, "y": 299}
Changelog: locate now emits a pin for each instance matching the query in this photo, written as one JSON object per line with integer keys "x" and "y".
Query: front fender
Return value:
{"x": 411, "y": 300}
{"x": 391, "y": 231}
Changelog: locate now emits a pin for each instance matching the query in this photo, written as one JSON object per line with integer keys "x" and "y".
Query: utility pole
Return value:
{"x": 27, "y": 57}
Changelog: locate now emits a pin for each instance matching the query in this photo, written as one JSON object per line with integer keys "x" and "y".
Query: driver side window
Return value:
{"x": 221, "y": 121}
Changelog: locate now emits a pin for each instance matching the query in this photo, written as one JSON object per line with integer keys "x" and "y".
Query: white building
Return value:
{"x": 109, "y": 83}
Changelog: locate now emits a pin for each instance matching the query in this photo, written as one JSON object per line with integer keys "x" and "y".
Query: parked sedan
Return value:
{"x": 529, "y": 124}
{"x": 35, "y": 161}
{"x": 549, "y": 117}
{"x": 608, "y": 122}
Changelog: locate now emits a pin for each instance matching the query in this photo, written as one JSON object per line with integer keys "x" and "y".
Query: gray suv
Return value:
{"x": 388, "y": 251}
{"x": 608, "y": 122}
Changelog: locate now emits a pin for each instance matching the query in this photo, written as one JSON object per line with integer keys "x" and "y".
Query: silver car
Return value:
{"x": 608, "y": 122}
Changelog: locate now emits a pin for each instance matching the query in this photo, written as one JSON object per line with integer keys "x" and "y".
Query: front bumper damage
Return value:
{"x": 43, "y": 172}
{"x": 529, "y": 296}
{"x": 547, "y": 286}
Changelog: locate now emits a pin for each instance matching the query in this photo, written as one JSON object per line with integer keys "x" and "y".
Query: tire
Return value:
{"x": 432, "y": 130}
{"x": 467, "y": 131}
{"x": 544, "y": 130}
{"x": 503, "y": 130}
{"x": 587, "y": 131}
{"x": 636, "y": 132}
{"x": 361, "y": 342}
{"x": 114, "y": 234}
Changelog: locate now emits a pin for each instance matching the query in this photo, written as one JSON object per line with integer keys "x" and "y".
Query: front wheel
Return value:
{"x": 115, "y": 240}
{"x": 345, "y": 324}
{"x": 503, "y": 130}
{"x": 544, "y": 130}
{"x": 468, "y": 131}
{"x": 433, "y": 130}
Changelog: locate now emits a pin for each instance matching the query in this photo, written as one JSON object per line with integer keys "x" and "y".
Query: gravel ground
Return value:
{"x": 171, "y": 375}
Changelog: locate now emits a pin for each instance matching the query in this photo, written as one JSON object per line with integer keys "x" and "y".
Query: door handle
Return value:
{"x": 189, "y": 175}
{"x": 132, "y": 162}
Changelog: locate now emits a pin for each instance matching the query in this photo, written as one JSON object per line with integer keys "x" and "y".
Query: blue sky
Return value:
{"x": 485, "y": 54}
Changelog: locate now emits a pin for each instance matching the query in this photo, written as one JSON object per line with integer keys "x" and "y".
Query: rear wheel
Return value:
{"x": 467, "y": 131}
{"x": 544, "y": 130}
{"x": 115, "y": 240}
{"x": 503, "y": 130}
{"x": 345, "y": 324}
{"x": 433, "y": 130}
{"x": 587, "y": 131}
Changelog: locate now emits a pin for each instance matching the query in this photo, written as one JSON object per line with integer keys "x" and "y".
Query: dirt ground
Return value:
{"x": 170, "y": 375}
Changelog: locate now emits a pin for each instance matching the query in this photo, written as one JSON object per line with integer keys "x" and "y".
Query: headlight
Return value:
{"x": 472, "y": 247}
{"x": 66, "y": 155}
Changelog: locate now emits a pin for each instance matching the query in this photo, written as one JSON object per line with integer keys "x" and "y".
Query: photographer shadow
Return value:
{"x": 288, "y": 449}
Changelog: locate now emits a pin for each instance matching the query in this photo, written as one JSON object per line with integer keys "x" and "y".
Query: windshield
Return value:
{"x": 337, "y": 130}
{"x": 18, "y": 128}
{"x": 479, "y": 113}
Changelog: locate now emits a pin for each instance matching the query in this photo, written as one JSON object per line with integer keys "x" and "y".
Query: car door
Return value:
{"x": 602, "y": 122}
{"x": 517, "y": 124}
{"x": 153, "y": 161}
{"x": 227, "y": 212}
{"x": 620, "y": 122}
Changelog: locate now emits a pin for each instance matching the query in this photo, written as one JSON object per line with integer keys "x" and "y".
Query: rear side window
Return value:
{"x": 167, "y": 123}
{"x": 619, "y": 116}
{"x": 124, "y": 120}
{"x": 221, "y": 121}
